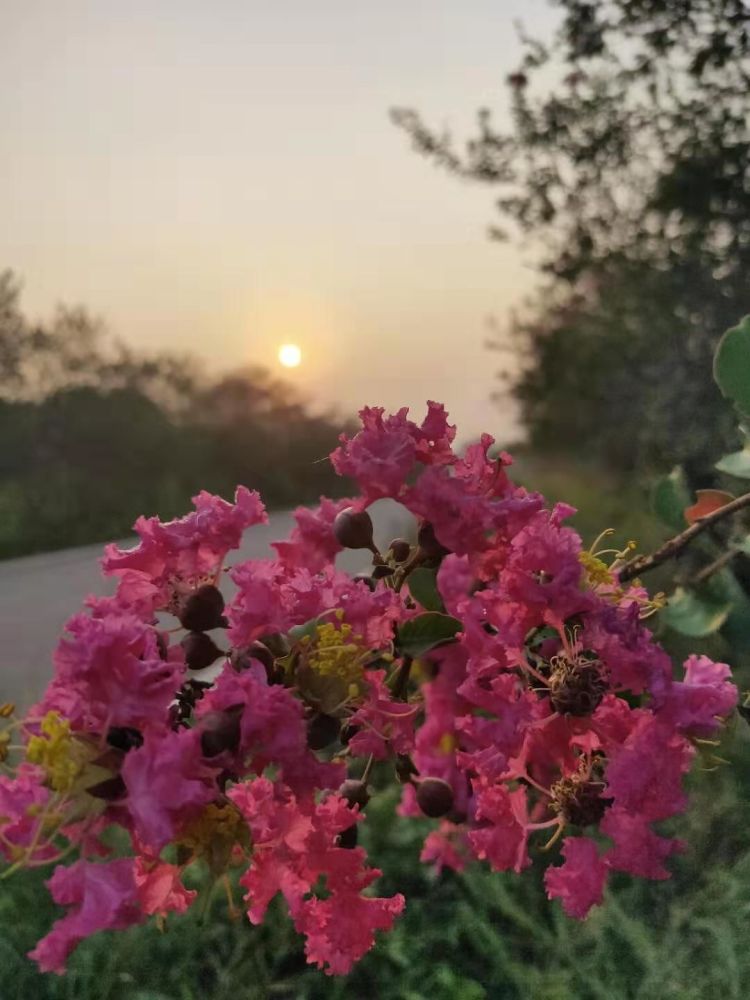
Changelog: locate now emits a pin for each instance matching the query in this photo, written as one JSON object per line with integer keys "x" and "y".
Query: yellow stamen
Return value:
{"x": 55, "y": 751}
{"x": 597, "y": 571}
{"x": 335, "y": 652}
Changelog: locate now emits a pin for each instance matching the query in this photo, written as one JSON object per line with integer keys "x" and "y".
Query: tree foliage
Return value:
{"x": 93, "y": 433}
{"x": 626, "y": 165}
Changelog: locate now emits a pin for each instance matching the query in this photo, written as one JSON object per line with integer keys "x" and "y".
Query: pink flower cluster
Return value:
{"x": 494, "y": 667}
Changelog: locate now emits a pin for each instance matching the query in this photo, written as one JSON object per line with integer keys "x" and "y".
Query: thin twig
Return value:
{"x": 713, "y": 567}
{"x": 644, "y": 564}
{"x": 402, "y": 677}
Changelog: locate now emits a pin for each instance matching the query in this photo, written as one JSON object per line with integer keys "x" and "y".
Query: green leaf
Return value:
{"x": 327, "y": 693}
{"x": 725, "y": 588}
{"x": 423, "y": 588}
{"x": 297, "y": 632}
{"x": 669, "y": 498}
{"x": 425, "y": 632}
{"x": 695, "y": 615}
{"x": 732, "y": 365}
{"x": 737, "y": 464}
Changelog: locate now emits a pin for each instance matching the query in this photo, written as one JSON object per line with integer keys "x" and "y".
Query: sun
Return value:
{"x": 290, "y": 355}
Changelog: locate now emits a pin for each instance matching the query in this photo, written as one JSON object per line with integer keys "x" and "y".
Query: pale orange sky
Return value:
{"x": 221, "y": 177}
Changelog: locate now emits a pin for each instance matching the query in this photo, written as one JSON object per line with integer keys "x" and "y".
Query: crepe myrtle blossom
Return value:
{"x": 494, "y": 666}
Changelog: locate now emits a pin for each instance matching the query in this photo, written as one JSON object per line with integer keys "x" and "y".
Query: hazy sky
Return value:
{"x": 220, "y": 176}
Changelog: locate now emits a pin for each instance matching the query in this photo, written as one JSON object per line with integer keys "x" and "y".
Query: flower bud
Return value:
{"x": 220, "y": 731}
{"x": 200, "y": 650}
{"x": 192, "y": 691}
{"x": 432, "y": 550}
{"x": 202, "y": 610}
{"x": 355, "y": 792}
{"x": 400, "y": 549}
{"x": 353, "y": 529}
{"x": 124, "y": 738}
{"x": 242, "y": 657}
{"x": 322, "y": 730}
{"x": 434, "y": 797}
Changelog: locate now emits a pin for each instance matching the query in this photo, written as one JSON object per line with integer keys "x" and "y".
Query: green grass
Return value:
{"x": 465, "y": 937}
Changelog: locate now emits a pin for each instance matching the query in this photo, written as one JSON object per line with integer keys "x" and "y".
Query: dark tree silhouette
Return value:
{"x": 93, "y": 433}
{"x": 627, "y": 168}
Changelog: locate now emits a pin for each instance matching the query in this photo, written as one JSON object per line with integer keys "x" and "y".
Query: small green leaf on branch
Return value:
{"x": 423, "y": 588}
{"x": 732, "y": 365}
{"x": 736, "y": 464}
{"x": 425, "y": 632}
{"x": 695, "y": 615}
{"x": 670, "y": 497}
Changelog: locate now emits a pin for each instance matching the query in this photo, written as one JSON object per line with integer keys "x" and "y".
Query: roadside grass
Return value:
{"x": 463, "y": 937}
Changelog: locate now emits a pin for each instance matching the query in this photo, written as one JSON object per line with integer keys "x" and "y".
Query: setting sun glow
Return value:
{"x": 290, "y": 355}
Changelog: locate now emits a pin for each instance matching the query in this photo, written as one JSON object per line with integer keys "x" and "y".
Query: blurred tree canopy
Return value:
{"x": 93, "y": 434}
{"x": 627, "y": 167}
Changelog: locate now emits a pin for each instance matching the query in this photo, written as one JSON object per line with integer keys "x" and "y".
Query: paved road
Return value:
{"x": 39, "y": 593}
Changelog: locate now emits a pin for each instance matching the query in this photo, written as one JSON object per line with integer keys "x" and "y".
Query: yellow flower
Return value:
{"x": 335, "y": 652}
{"x": 56, "y": 751}
{"x": 213, "y": 834}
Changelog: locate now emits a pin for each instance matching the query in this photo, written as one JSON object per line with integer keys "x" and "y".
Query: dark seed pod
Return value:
{"x": 220, "y": 731}
{"x": 355, "y": 792}
{"x": 192, "y": 691}
{"x": 432, "y": 550}
{"x": 382, "y": 571}
{"x": 353, "y": 529}
{"x": 348, "y": 731}
{"x": 348, "y": 838}
{"x": 434, "y": 797}
{"x": 124, "y": 738}
{"x": 203, "y": 609}
{"x": 200, "y": 650}
{"x": 400, "y": 549}
{"x": 322, "y": 730}
{"x": 242, "y": 657}
{"x": 111, "y": 789}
